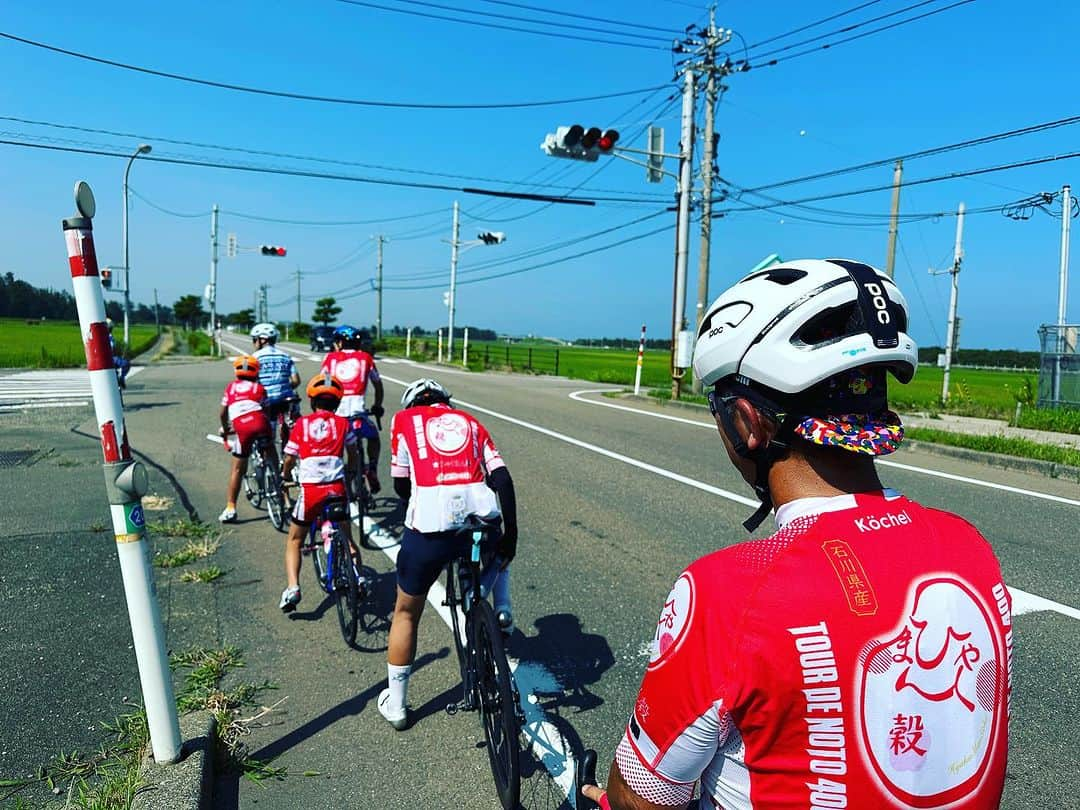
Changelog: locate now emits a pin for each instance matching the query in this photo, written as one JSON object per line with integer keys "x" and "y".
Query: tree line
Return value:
{"x": 20, "y": 299}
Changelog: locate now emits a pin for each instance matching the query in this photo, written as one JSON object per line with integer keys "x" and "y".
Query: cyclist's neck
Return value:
{"x": 821, "y": 473}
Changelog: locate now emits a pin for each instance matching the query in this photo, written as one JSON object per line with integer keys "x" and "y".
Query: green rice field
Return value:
{"x": 55, "y": 344}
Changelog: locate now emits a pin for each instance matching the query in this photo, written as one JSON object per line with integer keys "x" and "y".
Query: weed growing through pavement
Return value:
{"x": 98, "y": 526}
{"x": 182, "y": 527}
{"x": 191, "y": 550}
{"x": 202, "y": 575}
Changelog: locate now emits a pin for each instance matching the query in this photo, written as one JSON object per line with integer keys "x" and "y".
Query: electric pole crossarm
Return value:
{"x": 645, "y": 165}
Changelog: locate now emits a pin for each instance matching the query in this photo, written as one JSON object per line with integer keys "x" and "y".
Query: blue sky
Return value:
{"x": 974, "y": 70}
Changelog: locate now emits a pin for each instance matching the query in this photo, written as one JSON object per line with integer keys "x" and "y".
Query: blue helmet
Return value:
{"x": 346, "y": 332}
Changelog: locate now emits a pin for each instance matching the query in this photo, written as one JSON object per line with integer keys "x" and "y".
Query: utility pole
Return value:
{"x": 1063, "y": 288}
{"x": 707, "y": 159}
{"x": 298, "y": 318}
{"x": 682, "y": 230}
{"x": 894, "y": 217}
{"x": 950, "y": 340}
{"x": 454, "y": 243}
{"x": 213, "y": 275}
{"x": 378, "y": 286}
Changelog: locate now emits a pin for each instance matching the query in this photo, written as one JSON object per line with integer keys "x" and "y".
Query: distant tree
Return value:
{"x": 326, "y": 310}
{"x": 244, "y": 318}
{"x": 114, "y": 310}
{"x": 188, "y": 309}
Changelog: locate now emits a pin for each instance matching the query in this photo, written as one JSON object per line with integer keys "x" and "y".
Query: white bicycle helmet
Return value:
{"x": 425, "y": 390}
{"x": 264, "y": 330}
{"x": 805, "y": 341}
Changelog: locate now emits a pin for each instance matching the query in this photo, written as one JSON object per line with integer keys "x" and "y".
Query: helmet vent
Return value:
{"x": 779, "y": 275}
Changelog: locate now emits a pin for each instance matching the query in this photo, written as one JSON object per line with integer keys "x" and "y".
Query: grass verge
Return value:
{"x": 202, "y": 575}
{"x": 182, "y": 527}
{"x": 189, "y": 552}
{"x": 1005, "y": 445}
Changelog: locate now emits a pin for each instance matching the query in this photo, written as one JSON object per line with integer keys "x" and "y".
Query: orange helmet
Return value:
{"x": 246, "y": 367}
{"x": 325, "y": 384}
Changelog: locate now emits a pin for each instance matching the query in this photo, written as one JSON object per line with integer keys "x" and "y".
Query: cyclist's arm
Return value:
{"x": 376, "y": 384}
{"x": 622, "y": 797}
{"x": 403, "y": 488}
{"x": 287, "y": 467}
{"x": 223, "y": 417}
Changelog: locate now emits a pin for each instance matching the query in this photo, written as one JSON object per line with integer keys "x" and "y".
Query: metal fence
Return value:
{"x": 1059, "y": 366}
{"x": 537, "y": 359}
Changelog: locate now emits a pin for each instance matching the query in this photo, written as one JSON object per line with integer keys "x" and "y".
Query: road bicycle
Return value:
{"x": 487, "y": 684}
{"x": 262, "y": 483}
{"x": 360, "y": 492}
{"x": 334, "y": 557}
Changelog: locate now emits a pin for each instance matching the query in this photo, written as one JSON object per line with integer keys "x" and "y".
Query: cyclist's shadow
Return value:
{"x": 575, "y": 659}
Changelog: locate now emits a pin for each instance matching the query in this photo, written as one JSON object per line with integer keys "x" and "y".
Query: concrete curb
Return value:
{"x": 1051, "y": 469}
{"x": 187, "y": 784}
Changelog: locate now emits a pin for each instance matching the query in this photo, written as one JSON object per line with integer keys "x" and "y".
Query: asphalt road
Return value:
{"x": 613, "y": 504}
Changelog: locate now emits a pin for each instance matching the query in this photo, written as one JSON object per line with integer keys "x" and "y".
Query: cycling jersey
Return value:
{"x": 243, "y": 396}
{"x": 447, "y": 454}
{"x": 275, "y": 370}
{"x": 860, "y": 657}
{"x": 353, "y": 369}
{"x": 319, "y": 440}
{"x": 243, "y": 403}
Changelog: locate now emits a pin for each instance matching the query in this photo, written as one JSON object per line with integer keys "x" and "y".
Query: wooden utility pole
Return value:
{"x": 894, "y": 217}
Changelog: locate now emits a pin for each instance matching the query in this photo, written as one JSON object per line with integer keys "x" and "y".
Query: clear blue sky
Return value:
{"x": 978, "y": 69}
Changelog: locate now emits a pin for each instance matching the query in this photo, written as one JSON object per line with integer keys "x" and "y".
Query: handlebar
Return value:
{"x": 585, "y": 774}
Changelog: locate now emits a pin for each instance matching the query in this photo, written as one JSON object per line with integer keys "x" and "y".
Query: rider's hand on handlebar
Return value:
{"x": 377, "y": 411}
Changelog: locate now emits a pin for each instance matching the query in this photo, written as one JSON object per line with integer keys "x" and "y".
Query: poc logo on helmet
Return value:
{"x": 877, "y": 297}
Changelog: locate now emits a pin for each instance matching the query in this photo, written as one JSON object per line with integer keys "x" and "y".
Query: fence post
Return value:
{"x": 440, "y": 345}
{"x": 125, "y": 484}
{"x": 408, "y": 343}
{"x": 465, "y": 349}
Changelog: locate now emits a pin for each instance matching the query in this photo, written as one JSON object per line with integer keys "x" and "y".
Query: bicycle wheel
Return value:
{"x": 495, "y": 696}
{"x": 453, "y": 591}
{"x": 275, "y": 501}
{"x": 252, "y": 482}
{"x": 319, "y": 559}
{"x": 346, "y": 589}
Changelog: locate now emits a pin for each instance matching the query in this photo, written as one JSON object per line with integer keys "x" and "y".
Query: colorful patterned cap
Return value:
{"x": 876, "y": 434}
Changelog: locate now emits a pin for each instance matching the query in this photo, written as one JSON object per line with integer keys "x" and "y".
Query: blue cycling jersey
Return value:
{"x": 275, "y": 369}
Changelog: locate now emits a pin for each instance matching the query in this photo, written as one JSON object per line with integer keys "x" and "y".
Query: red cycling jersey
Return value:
{"x": 243, "y": 402}
{"x": 860, "y": 657}
{"x": 353, "y": 368}
{"x": 242, "y": 397}
{"x": 319, "y": 440}
{"x": 447, "y": 454}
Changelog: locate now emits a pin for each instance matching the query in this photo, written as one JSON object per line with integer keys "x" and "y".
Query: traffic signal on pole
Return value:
{"x": 106, "y": 278}
{"x": 491, "y": 237}
{"x": 446, "y": 298}
{"x": 230, "y": 246}
{"x": 271, "y": 250}
{"x": 578, "y": 143}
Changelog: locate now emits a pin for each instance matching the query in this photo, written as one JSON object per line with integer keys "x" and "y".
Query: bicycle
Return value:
{"x": 360, "y": 493}
{"x": 333, "y": 557}
{"x": 487, "y": 684}
{"x": 262, "y": 483}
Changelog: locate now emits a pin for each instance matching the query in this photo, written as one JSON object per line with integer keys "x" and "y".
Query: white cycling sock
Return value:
{"x": 501, "y": 590}
{"x": 399, "y": 684}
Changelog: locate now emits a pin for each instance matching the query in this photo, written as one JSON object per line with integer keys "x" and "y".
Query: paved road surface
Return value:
{"x": 613, "y": 504}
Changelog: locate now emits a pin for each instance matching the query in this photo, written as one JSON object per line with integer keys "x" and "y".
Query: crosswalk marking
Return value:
{"x": 51, "y": 388}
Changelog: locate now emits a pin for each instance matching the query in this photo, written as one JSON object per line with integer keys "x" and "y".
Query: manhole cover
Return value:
{"x": 13, "y": 458}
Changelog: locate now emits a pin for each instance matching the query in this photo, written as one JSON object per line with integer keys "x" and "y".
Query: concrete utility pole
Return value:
{"x": 894, "y": 217}
{"x": 157, "y": 317}
{"x": 707, "y": 158}
{"x": 682, "y": 230}
{"x": 1063, "y": 287}
{"x": 144, "y": 149}
{"x": 454, "y": 244}
{"x": 298, "y": 318}
{"x": 950, "y": 340}
{"x": 213, "y": 273}
{"x": 378, "y": 287}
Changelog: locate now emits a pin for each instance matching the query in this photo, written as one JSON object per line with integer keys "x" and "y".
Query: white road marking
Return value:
{"x": 47, "y": 388}
{"x": 1024, "y": 602}
{"x": 212, "y": 438}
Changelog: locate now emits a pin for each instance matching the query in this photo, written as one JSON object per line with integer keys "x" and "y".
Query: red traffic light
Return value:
{"x": 607, "y": 141}
{"x": 272, "y": 250}
{"x": 106, "y": 277}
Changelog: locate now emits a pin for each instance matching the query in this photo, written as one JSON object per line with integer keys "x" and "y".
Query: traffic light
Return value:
{"x": 230, "y": 249}
{"x": 578, "y": 143}
{"x": 446, "y": 298}
{"x": 491, "y": 237}
{"x": 106, "y": 278}
{"x": 271, "y": 250}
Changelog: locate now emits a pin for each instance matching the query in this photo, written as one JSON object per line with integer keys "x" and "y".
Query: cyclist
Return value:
{"x": 316, "y": 445}
{"x": 278, "y": 375}
{"x": 860, "y": 656}
{"x": 446, "y": 466}
{"x": 356, "y": 368}
{"x": 241, "y": 407}
{"x": 121, "y": 363}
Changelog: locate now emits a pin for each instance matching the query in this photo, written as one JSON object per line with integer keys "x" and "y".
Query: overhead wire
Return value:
{"x": 563, "y": 13}
{"x": 814, "y": 24}
{"x": 262, "y": 91}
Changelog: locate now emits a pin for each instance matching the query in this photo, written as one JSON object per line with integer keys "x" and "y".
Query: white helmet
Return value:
{"x": 794, "y": 325}
{"x": 264, "y": 330}
{"x": 425, "y": 390}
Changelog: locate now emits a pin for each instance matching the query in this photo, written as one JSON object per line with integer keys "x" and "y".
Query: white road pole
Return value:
{"x": 125, "y": 483}
{"x": 408, "y": 343}
{"x": 640, "y": 362}
{"x": 440, "y": 345}
{"x": 1063, "y": 287}
{"x": 454, "y": 242}
{"x": 958, "y": 257}
{"x": 682, "y": 236}
{"x": 465, "y": 349}
{"x": 213, "y": 277}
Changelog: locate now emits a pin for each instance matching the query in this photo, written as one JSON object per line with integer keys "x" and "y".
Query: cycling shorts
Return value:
{"x": 246, "y": 429}
{"x": 422, "y": 557}
{"x": 288, "y": 407}
{"x": 312, "y": 498}
{"x": 363, "y": 426}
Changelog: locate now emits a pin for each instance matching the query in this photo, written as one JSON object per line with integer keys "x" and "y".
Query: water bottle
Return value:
{"x": 327, "y": 532}
{"x": 457, "y": 509}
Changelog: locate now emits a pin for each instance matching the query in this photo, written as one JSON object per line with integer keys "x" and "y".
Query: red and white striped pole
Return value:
{"x": 125, "y": 483}
{"x": 640, "y": 361}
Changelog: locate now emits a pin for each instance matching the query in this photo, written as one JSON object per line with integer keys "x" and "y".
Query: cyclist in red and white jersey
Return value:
{"x": 355, "y": 368}
{"x": 242, "y": 411}
{"x": 445, "y": 464}
{"x": 860, "y": 656}
{"x": 321, "y": 449}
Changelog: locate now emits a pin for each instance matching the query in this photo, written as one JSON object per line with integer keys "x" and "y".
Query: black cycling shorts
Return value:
{"x": 422, "y": 557}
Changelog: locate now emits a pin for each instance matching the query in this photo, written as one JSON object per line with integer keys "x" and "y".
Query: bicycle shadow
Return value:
{"x": 576, "y": 660}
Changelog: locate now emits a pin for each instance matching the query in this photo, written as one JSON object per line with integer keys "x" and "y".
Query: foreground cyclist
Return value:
{"x": 278, "y": 375}
{"x": 355, "y": 368}
{"x": 242, "y": 411}
{"x": 446, "y": 466}
{"x": 859, "y": 657}
{"x": 317, "y": 443}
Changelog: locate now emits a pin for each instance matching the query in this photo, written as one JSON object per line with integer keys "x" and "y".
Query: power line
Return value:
{"x": 937, "y": 150}
{"x": 332, "y": 223}
{"x": 563, "y": 13}
{"x": 814, "y": 24}
{"x": 408, "y": 105}
{"x": 498, "y": 26}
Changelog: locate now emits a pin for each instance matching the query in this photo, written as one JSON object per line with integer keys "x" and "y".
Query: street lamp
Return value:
{"x": 484, "y": 238}
{"x": 144, "y": 149}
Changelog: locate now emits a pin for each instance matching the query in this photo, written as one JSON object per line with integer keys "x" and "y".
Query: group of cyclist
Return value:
{"x": 858, "y": 657}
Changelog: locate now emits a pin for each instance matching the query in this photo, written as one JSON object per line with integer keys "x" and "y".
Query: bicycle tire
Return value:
{"x": 453, "y": 599}
{"x": 275, "y": 501}
{"x": 495, "y": 700}
{"x": 252, "y": 484}
{"x": 346, "y": 590}
{"x": 318, "y": 557}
